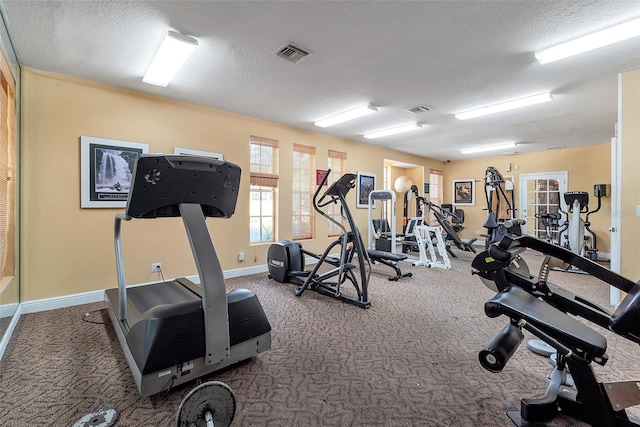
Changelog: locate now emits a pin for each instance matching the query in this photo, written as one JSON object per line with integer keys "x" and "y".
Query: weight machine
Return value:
{"x": 495, "y": 187}
{"x": 549, "y": 312}
{"x": 383, "y": 248}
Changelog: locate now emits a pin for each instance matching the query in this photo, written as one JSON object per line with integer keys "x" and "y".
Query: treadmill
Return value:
{"x": 176, "y": 331}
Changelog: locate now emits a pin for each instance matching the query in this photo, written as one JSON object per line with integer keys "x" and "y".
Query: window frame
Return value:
{"x": 303, "y": 221}
{"x": 263, "y": 178}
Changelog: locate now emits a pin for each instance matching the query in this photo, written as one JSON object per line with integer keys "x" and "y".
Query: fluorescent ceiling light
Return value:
{"x": 173, "y": 53}
{"x": 347, "y": 115}
{"x": 392, "y": 131}
{"x": 484, "y": 148}
{"x": 510, "y": 105}
{"x": 589, "y": 42}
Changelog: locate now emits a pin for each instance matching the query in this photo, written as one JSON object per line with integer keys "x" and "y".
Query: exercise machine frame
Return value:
{"x": 533, "y": 304}
{"x": 285, "y": 259}
{"x": 496, "y": 226}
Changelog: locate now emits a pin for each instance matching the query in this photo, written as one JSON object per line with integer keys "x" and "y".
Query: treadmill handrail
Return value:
{"x": 122, "y": 284}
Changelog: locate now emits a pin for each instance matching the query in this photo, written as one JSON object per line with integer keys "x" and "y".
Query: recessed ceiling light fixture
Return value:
{"x": 174, "y": 51}
{"x": 392, "y": 131}
{"x": 505, "y": 106}
{"x": 346, "y": 116}
{"x": 589, "y": 42}
{"x": 484, "y": 148}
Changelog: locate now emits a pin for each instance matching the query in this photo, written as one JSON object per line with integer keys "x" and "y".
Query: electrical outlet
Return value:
{"x": 156, "y": 267}
{"x": 240, "y": 256}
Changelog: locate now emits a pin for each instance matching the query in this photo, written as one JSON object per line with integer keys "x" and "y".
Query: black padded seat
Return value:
{"x": 390, "y": 260}
{"x": 388, "y": 256}
{"x": 519, "y": 304}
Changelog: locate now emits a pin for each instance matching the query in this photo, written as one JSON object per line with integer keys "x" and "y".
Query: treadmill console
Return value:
{"x": 160, "y": 183}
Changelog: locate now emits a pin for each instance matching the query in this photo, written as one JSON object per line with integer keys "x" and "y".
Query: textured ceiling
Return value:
{"x": 448, "y": 55}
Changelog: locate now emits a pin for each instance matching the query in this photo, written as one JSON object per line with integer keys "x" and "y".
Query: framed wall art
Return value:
{"x": 365, "y": 183}
{"x": 181, "y": 150}
{"x": 106, "y": 168}
{"x": 464, "y": 192}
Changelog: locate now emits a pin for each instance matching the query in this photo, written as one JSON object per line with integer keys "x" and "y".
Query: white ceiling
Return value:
{"x": 451, "y": 56}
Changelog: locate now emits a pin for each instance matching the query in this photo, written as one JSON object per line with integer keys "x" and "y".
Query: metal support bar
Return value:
{"x": 214, "y": 295}
{"x": 122, "y": 285}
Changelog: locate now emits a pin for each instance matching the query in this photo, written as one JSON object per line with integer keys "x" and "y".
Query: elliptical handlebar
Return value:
{"x": 319, "y": 203}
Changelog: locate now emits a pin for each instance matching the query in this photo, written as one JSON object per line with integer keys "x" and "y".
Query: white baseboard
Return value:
{"x": 8, "y": 310}
{"x": 54, "y": 303}
{"x": 7, "y": 335}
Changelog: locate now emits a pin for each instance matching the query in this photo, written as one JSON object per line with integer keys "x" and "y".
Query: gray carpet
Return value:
{"x": 409, "y": 360}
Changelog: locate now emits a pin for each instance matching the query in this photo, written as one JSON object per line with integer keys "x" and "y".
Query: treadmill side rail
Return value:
{"x": 122, "y": 285}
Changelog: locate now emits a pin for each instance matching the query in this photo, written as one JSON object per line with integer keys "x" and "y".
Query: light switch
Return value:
{"x": 638, "y": 211}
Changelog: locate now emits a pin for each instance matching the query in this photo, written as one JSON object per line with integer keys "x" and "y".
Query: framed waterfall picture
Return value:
{"x": 106, "y": 168}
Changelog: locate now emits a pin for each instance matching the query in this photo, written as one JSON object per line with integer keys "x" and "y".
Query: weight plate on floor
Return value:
{"x": 101, "y": 418}
{"x": 211, "y": 397}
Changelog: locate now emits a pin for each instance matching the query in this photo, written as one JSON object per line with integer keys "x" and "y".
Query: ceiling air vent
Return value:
{"x": 419, "y": 109}
{"x": 559, "y": 147}
{"x": 291, "y": 53}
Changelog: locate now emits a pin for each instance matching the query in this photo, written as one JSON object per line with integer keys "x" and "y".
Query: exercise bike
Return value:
{"x": 550, "y": 222}
{"x": 286, "y": 259}
{"x": 548, "y": 312}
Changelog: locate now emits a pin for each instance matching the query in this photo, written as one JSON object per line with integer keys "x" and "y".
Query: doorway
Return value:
{"x": 542, "y": 193}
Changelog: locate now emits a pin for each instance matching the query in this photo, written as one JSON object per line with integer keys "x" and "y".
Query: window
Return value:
{"x": 304, "y": 159}
{"x": 7, "y": 170}
{"x": 436, "y": 192}
{"x": 264, "y": 182}
{"x": 338, "y": 166}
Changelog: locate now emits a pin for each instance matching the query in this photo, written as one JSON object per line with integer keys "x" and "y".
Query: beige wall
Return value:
{"x": 586, "y": 166}
{"x": 67, "y": 250}
{"x": 630, "y": 185}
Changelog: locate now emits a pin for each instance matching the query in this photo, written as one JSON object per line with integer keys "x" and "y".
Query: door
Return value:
{"x": 541, "y": 193}
{"x": 616, "y": 208}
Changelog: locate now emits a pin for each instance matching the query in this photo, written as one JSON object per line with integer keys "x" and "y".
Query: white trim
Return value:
{"x": 8, "y": 310}
{"x": 180, "y": 150}
{"x": 238, "y": 272}
{"x": 562, "y": 188}
{"x": 9, "y": 332}
{"x": 616, "y": 198}
{"x": 54, "y": 303}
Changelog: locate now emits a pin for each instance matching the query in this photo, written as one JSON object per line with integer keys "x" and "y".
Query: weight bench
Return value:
{"x": 452, "y": 236}
{"x": 389, "y": 259}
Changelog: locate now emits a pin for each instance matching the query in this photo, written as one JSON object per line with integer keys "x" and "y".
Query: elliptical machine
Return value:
{"x": 580, "y": 239}
{"x": 286, "y": 259}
